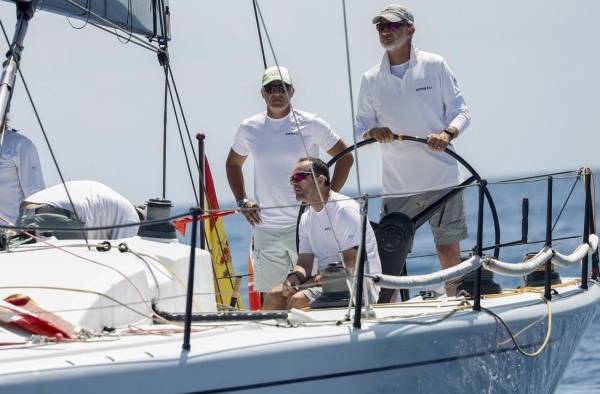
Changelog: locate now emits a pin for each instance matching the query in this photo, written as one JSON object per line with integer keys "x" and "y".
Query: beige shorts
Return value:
{"x": 274, "y": 255}
{"x": 448, "y": 224}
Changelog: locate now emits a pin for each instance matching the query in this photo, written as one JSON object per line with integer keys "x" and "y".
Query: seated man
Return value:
{"x": 328, "y": 232}
{"x": 96, "y": 205}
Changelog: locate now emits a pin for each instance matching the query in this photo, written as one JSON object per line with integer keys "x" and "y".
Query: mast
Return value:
{"x": 25, "y": 11}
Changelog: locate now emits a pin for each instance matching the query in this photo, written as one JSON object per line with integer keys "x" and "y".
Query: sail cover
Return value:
{"x": 142, "y": 17}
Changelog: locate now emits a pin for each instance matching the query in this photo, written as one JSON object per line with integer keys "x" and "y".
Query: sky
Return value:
{"x": 528, "y": 71}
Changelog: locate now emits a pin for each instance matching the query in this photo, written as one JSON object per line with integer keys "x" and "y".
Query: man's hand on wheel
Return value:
{"x": 381, "y": 134}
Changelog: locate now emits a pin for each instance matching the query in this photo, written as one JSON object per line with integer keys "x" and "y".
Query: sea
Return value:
{"x": 583, "y": 372}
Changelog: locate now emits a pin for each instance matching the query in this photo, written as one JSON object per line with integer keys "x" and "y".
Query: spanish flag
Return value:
{"x": 227, "y": 285}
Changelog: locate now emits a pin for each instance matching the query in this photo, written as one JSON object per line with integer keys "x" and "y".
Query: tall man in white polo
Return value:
{"x": 414, "y": 93}
{"x": 276, "y": 138}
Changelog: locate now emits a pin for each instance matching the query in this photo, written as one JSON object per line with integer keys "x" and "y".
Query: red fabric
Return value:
{"x": 181, "y": 223}
{"x": 254, "y": 301}
{"x": 31, "y": 318}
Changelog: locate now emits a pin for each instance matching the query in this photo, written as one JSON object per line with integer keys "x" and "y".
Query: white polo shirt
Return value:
{"x": 97, "y": 205}
{"x": 276, "y": 145}
{"x": 318, "y": 235}
{"x": 426, "y": 100}
{"x": 20, "y": 173}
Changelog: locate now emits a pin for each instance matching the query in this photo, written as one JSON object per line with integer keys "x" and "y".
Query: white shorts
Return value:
{"x": 274, "y": 255}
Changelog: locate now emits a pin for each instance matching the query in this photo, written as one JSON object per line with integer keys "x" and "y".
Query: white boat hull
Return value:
{"x": 466, "y": 352}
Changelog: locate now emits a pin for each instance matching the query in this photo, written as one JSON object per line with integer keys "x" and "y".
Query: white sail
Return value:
{"x": 142, "y": 17}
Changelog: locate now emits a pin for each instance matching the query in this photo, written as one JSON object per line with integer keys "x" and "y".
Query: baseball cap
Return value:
{"x": 275, "y": 73}
{"x": 395, "y": 13}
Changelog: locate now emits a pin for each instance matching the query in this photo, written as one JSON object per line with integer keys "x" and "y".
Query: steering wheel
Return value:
{"x": 422, "y": 217}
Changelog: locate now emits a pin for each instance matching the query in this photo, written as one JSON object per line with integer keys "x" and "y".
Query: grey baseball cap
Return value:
{"x": 395, "y": 13}
{"x": 275, "y": 73}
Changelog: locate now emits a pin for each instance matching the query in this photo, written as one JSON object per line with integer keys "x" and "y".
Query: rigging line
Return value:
{"x": 114, "y": 26}
{"x": 351, "y": 96}
{"x": 565, "y": 204}
{"x": 187, "y": 160}
{"x": 85, "y": 22}
{"x": 164, "y": 145}
{"x": 130, "y": 24}
{"x": 141, "y": 44}
{"x": 540, "y": 176}
{"x": 543, "y": 178}
{"x": 514, "y": 339}
{"x": 322, "y": 200}
{"x": 59, "y": 248}
{"x": 183, "y": 116}
{"x": 112, "y": 227}
{"x": 157, "y": 298}
{"x": 170, "y": 271}
{"x": 297, "y": 124}
{"x": 39, "y": 120}
{"x": 84, "y": 291}
{"x": 566, "y": 238}
{"x": 260, "y": 40}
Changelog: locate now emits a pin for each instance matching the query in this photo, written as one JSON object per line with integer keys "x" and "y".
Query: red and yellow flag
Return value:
{"x": 227, "y": 292}
{"x": 227, "y": 285}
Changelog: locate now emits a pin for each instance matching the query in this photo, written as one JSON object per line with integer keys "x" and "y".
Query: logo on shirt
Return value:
{"x": 292, "y": 132}
{"x": 423, "y": 88}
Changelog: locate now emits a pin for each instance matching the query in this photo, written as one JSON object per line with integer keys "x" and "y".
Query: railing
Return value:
{"x": 545, "y": 257}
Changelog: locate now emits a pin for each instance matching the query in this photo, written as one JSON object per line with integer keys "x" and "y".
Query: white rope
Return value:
{"x": 438, "y": 278}
{"x": 578, "y": 254}
{"x": 518, "y": 269}
{"x": 428, "y": 281}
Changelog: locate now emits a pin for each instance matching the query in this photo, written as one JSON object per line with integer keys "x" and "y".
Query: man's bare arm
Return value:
{"x": 235, "y": 176}
{"x": 342, "y": 166}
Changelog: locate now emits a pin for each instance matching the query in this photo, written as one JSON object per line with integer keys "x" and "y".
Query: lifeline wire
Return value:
{"x": 39, "y": 120}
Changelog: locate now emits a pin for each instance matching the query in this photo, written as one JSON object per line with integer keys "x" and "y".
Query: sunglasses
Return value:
{"x": 299, "y": 176}
{"x": 277, "y": 88}
{"x": 391, "y": 26}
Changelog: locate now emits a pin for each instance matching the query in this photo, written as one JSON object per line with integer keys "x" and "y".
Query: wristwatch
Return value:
{"x": 241, "y": 202}
{"x": 451, "y": 134}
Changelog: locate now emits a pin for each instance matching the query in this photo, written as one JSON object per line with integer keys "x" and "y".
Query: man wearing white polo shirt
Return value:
{"x": 414, "y": 93}
{"x": 329, "y": 232}
{"x": 276, "y": 138}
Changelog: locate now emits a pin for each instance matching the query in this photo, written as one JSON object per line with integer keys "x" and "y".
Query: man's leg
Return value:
{"x": 271, "y": 259}
{"x": 298, "y": 301}
{"x": 274, "y": 300}
{"x": 449, "y": 256}
{"x": 449, "y": 228}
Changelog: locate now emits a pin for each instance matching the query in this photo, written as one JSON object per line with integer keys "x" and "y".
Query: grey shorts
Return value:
{"x": 274, "y": 255}
{"x": 312, "y": 293}
{"x": 448, "y": 224}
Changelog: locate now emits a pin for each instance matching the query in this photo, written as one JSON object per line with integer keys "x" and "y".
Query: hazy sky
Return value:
{"x": 529, "y": 71}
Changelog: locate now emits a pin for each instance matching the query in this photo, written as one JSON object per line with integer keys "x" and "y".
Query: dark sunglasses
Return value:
{"x": 391, "y": 26}
{"x": 277, "y": 88}
{"x": 299, "y": 176}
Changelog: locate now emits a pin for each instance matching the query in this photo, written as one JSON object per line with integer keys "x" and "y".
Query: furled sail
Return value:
{"x": 142, "y": 17}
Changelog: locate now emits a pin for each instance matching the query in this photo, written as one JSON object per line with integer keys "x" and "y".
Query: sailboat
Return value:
{"x": 147, "y": 314}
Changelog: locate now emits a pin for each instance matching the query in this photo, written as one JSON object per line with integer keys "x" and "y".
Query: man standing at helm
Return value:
{"x": 276, "y": 138}
{"x": 414, "y": 93}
